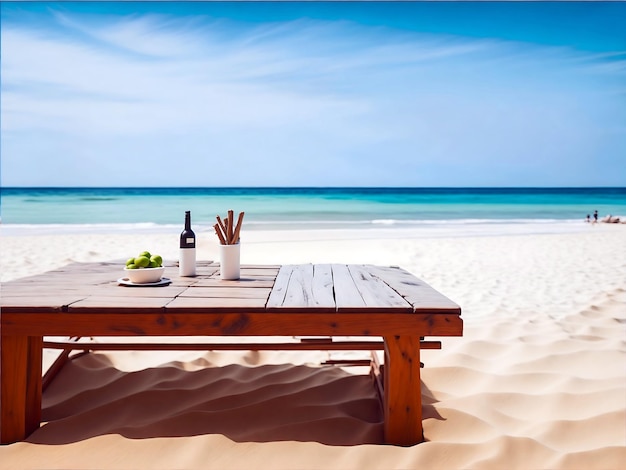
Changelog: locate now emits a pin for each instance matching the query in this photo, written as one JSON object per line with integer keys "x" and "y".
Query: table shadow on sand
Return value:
{"x": 285, "y": 402}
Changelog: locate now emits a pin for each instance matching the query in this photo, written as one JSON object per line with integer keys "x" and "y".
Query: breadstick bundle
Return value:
{"x": 227, "y": 231}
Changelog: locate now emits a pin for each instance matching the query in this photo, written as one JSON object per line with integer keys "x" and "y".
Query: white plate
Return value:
{"x": 126, "y": 282}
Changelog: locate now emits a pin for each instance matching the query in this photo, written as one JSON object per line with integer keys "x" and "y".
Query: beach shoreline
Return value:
{"x": 536, "y": 381}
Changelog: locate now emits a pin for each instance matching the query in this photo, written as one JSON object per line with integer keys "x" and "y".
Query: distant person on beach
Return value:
{"x": 588, "y": 218}
{"x": 595, "y": 217}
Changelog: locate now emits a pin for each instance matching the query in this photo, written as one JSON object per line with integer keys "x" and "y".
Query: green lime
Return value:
{"x": 153, "y": 264}
{"x": 131, "y": 266}
{"x": 130, "y": 261}
{"x": 142, "y": 262}
{"x": 158, "y": 260}
{"x": 146, "y": 254}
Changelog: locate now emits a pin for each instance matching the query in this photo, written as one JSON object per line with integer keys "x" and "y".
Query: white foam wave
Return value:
{"x": 392, "y": 227}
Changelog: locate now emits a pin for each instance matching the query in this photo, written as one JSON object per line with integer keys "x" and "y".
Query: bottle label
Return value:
{"x": 191, "y": 240}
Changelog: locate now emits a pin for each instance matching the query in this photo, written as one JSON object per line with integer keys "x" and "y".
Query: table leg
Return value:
{"x": 20, "y": 386}
{"x": 403, "y": 391}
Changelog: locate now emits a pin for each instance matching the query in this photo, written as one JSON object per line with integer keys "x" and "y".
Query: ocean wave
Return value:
{"x": 412, "y": 222}
{"x": 50, "y": 229}
{"x": 470, "y": 221}
{"x": 420, "y": 227}
{"x": 96, "y": 198}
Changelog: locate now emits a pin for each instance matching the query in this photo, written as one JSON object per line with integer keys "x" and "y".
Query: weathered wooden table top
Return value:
{"x": 319, "y": 289}
{"x": 323, "y": 287}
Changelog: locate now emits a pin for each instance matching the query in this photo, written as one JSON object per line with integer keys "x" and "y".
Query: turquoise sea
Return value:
{"x": 452, "y": 211}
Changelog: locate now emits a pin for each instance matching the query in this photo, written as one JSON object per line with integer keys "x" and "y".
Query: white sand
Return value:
{"x": 538, "y": 381}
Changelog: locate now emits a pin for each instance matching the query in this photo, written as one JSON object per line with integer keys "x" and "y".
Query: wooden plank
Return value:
{"x": 304, "y": 344}
{"x": 259, "y": 272}
{"x": 402, "y": 396}
{"x": 104, "y": 304}
{"x": 279, "y": 289}
{"x": 13, "y": 395}
{"x": 305, "y": 287}
{"x": 347, "y": 295}
{"x": 191, "y": 321}
{"x": 375, "y": 292}
{"x": 20, "y": 388}
{"x": 208, "y": 270}
{"x": 133, "y": 291}
{"x": 249, "y": 271}
{"x": 243, "y": 281}
{"x": 228, "y": 292}
{"x": 300, "y": 288}
{"x": 38, "y": 303}
{"x": 67, "y": 346}
{"x": 34, "y": 383}
{"x": 262, "y": 267}
{"x": 200, "y": 304}
{"x": 322, "y": 286}
{"x": 347, "y": 362}
{"x": 377, "y": 373}
{"x": 56, "y": 366}
{"x": 79, "y": 283}
{"x": 418, "y": 293}
{"x": 75, "y": 272}
{"x": 48, "y": 292}
{"x": 356, "y": 290}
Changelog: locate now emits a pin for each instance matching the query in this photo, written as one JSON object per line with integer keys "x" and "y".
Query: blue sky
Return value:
{"x": 313, "y": 94}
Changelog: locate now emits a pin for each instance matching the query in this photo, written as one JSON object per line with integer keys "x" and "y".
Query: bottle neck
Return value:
{"x": 187, "y": 221}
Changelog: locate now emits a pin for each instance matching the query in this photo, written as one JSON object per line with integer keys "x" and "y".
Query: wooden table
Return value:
{"x": 292, "y": 300}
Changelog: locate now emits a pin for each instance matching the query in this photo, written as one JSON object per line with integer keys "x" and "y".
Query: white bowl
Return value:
{"x": 144, "y": 275}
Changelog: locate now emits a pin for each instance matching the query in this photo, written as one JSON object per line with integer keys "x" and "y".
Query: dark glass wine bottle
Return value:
{"x": 187, "y": 261}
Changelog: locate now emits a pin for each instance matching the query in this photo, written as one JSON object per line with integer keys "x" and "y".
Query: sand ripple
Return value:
{"x": 264, "y": 403}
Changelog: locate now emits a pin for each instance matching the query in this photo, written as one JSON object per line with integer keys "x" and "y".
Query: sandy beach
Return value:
{"x": 538, "y": 380}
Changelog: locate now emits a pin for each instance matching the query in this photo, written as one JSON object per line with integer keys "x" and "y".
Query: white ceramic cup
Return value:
{"x": 229, "y": 262}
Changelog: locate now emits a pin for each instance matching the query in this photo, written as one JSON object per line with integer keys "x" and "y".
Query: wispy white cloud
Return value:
{"x": 152, "y": 35}
{"x": 302, "y": 96}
